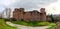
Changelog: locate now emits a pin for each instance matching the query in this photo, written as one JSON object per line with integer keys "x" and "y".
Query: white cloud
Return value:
{"x": 53, "y": 8}
{"x": 28, "y": 4}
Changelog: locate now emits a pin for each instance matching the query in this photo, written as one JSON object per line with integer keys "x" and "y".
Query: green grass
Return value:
{"x": 52, "y": 25}
{"x": 3, "y": 25}
{"x": 31, "y": 23}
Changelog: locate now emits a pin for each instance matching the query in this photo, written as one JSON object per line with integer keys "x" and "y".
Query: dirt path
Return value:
{"x": 26, "y": 27}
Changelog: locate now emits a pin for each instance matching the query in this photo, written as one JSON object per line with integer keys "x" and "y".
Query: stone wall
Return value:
{"x": 20, "y": 14}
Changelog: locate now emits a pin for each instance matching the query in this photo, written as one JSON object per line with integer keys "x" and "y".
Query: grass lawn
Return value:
{"x": 58, "y": 27}
{"x": 32, "y": 23}
{"x": 3, "y": 25}
{"x": 52, "y": 25}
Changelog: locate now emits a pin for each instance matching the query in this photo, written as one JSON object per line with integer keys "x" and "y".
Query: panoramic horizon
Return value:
{"x": 29, "y": 14}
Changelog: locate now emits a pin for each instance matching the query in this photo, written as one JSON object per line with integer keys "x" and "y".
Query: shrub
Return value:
{"x": 7, "y": 19}
{"x": 43, "y": 23}
{"x": 23, "y": 23}
{"x": 31, "y": 23}
{"x": 52, "y": 24}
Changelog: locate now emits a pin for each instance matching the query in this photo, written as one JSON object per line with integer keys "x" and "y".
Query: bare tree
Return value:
{"x": 2, "y": 14}
{"x": 8, "y": 12}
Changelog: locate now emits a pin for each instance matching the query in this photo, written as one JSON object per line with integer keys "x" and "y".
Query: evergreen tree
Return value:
{"x": 52, "y": 18}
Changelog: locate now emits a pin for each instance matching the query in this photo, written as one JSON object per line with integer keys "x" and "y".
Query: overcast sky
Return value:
{"x": 52, "y": 6}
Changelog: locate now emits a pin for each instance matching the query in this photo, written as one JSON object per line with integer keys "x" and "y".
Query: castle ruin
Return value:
{"x": 20, "y": 14}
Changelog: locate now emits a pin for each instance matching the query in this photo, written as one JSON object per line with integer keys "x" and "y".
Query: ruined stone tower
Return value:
{"x": 20, "y": 14}
{"x": 16, "y": 14}
{"x": 43, "y": 14}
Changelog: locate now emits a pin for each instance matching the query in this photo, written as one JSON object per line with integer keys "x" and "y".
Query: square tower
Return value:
{"x": 43, "y": 14}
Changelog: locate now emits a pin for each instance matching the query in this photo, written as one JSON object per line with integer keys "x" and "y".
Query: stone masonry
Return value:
{"x": 20, "y": 14}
